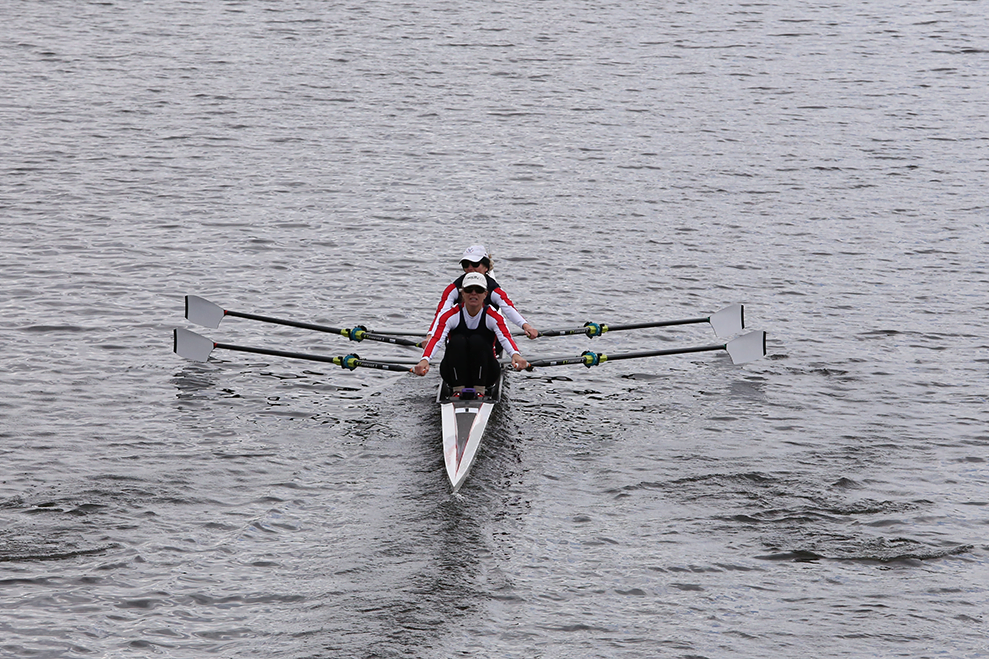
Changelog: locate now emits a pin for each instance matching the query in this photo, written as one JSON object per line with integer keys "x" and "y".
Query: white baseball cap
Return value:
{"x": 474, "y": 254}
{"x": 475, "y": 279}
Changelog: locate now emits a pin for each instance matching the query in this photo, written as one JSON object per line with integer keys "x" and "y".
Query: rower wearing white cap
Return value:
{"x": 476, "y": 259}
{"x": 471, "y": 330}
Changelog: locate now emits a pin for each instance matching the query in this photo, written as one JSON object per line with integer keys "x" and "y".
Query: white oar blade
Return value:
{"x": 729, "y": 321}
{"x": 202, "y": 312}
{"x": 747, "y": 347}
{"x": 191, "y": 345}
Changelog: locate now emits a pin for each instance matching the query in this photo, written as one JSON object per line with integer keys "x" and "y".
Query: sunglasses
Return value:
{"x": 467, "y": 264}
{"x": 475, "y": 289}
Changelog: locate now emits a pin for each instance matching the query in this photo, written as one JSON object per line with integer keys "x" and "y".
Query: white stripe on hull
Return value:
{"x": 464, "y": 422}
{"x": 463, "y": 426}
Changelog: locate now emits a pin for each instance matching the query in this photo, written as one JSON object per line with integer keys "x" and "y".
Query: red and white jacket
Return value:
{"x": 451, "y": 320}
{"x": 496, "y": 297}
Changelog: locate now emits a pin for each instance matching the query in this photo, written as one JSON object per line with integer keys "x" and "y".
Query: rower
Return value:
{"x": 477, "y": 259}
{"x": 471, "y": 330}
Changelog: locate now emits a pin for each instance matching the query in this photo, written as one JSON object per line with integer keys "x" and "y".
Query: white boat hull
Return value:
{"x": 464, "y": 422}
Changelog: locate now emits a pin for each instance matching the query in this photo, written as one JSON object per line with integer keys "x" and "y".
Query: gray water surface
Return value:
{"x": 328, "y": 162}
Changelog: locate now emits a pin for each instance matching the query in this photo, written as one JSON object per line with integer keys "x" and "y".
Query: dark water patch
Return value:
{"x": 633, "y": 592}
{"x": 644, "y": 377}
{"x": 225, "y": 454}
{"x": 577, "y": 627}
{"x": 203, "y": 599}
{"x": 288, "y": 414}
{"x": 145, "y": 603}
{"x": 881, "y": 333}
{"x": 86, "y": 509}
{"x": 36, "y": 581}
{"x": 67, "y": 507}
{"x": 798, "y": 556}
{"x": 782, "y": 518}
{"x": 901, "y": 550}
{"x": 704, "y": 486}
{"x": 688, "y": 587}
{"x": 825, "y": 371}
{"x": 47, "y": 329}
{"x": 39, "y": 549}
{"x": 808, "y": 541}
{"x": 601, "y": 541}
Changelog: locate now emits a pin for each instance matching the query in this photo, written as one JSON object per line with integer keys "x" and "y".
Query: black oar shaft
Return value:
{"x": 657, "y": 353}
{"x": 355, "y": 334}
{"x": 661, "y": 323}
{"x": 727, "y": 322}
{"x": 596, "y": 329}
{"x": 274, "y": 353}
{"x": 290, "y": 323}
{"x": 742, "y": 349}
{"x": 346, "y": 362}
{"x": 593, "y": 359}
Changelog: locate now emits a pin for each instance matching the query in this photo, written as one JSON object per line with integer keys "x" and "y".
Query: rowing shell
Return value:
{"x": 464, "y": 422}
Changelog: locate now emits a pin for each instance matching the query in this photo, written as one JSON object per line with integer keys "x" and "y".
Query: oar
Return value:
{"x": 728, "y": 321}
{"x": 745, "y": 348}
{"x": 205, "y": 313}
{"x": 197, "y": 348}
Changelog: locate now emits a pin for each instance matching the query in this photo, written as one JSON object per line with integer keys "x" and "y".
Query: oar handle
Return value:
{"x": 359, "y": 334}
{"x": 351, "y": 362}
{"x": 587, "y": 359}
{"x": 590, "y": 329}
